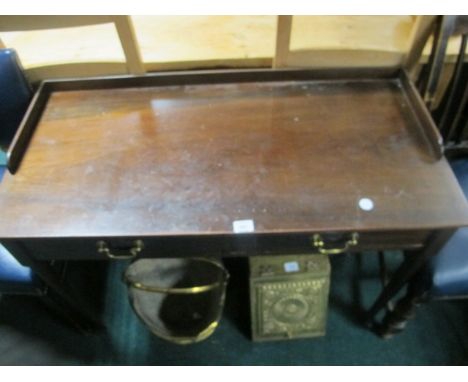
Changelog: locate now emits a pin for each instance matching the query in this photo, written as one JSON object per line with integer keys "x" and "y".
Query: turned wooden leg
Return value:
{"x": 405, "y": 273}
{"x": 396, "y": 319}
{"x": 397, "y": 282}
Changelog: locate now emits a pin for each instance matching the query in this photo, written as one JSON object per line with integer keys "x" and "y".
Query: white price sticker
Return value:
{"x": 243, "y": 226}
{"x": 291, "y": 266}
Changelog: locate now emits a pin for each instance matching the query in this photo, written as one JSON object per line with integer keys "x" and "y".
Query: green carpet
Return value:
{"x": 438, "y": 335}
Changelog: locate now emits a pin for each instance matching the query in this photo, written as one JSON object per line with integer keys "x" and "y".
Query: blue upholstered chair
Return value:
{"x": 15, "y": 278}
{"x": 15, "y": 94}
{"x": 446, "y": 274}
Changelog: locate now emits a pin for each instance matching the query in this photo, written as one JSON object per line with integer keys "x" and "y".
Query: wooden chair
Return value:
{"x": 451, "y": 114}
{"x": 446, "y": 275}
{"x": 125, "y": 31}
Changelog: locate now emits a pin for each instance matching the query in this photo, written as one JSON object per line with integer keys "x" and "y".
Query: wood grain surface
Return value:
{"x": 183, "y": 160}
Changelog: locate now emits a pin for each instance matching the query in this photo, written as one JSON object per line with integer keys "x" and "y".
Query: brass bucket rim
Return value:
{"x": 170, "y": 290}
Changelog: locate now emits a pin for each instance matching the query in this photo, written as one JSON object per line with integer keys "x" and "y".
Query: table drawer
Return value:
{"x": 217, "y": 245}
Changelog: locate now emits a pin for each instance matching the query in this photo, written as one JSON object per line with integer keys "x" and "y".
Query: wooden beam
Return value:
{"x": 422, "y": 29}
{"x": 79, "y": 69}
{"x": 127, "y": 36}
{"x": 283, "y": 37}
{"x": 30, "y": 23}
{"x": 343, "y": 58}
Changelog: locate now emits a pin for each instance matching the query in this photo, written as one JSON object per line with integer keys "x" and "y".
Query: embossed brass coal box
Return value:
{"x": 288, "y": 296}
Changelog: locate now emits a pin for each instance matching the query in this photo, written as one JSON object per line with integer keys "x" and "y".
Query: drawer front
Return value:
{"x": 219, "y": 245}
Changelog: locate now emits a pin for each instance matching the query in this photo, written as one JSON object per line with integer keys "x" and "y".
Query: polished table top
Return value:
{"x": 290, "y": 156}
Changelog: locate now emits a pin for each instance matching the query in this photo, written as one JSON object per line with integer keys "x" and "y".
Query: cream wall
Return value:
{"x": 186, "y": 42}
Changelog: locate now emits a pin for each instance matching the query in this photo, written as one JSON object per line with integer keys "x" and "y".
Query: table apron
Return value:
{"x": 217, "y": 245}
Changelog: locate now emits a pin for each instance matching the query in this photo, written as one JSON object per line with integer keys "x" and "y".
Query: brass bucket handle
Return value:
{"x": 319, "y": 244}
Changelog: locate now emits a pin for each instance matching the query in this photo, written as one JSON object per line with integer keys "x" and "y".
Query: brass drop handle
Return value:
{"x": 319, "y": 244}
{"x": 127, "y": 253}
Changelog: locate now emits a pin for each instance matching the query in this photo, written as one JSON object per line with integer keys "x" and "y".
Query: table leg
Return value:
{"x": 411, "y": 265}
{"x": 396, "y": 319}
{"x": 66, "y": 300}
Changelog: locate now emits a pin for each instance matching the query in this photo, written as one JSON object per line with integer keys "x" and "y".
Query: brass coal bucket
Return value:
{"x": 180, "y": 300}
